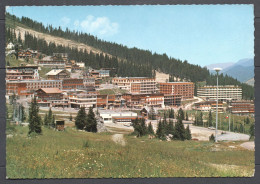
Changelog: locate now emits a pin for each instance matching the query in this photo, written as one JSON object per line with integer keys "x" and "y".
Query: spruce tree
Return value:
{"x": 252, "y": 130}
{"x": 159, "y": 131}
{"x": 81, "y": 119}
{"x": 49, "y": 117}
{"x": 150, "y": 129}
{"x": 187, "y": 117}
{"x": 152, "y": 115}
{"x": 53, "y": 121}
{"x": 45, "y": 121}
{"x": 170, "y": 129}
{"x": 179, "y": 131}
{"x": 171, "y": 113}
{"x": 187, "y": 133}
{"x": 91, "y": 125}
{"x": 34, "y": 118}
{"x": 210, "y": 119}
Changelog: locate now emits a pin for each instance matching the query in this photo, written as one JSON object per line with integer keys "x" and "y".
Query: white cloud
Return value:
{"x": 101, "y": 26}
{"x": 76, "y": 23}
{"x": 65, "y": 21}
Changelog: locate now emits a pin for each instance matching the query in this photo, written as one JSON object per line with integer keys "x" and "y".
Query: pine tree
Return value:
{"x": 159, "y": 131}
{"x": 170, "y": 128}
{"x": 23, "y": 116}
{"x": 53, "y": 121}
{"x": 252, "y": 130}
{"x": 49, "y": 117}
{"x": 45, "y": 121}
{"x": 247, "y": 121}
{"x": 150, "y": 129}
{"x": 180, "y": 114}
{"x": 34, "y": 118}
{"x": 187, "y": 117}
{"x": 187, "y": 133}
{"x": 81, "y": 119}
{"x": 91, "y": 125}
{"x": 210, "y": 119}
{"x": 70, "y": 118}
{"x": 152, "y": 115}
{"x": 171, "y": 113}
{"x": 179, "y": 131}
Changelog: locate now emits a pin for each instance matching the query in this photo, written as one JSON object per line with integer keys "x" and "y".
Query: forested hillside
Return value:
{"x": 127, "y": 61}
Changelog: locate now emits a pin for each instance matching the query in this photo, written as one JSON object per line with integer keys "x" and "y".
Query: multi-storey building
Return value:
{"x": 225, "y": 93}
{"x": 136, "y": 85}
{"x": 22, "y": 73}
{"x": 52, "y": 62}
{"x": 83, "y": 100}
{"x": 110, "y": 101}
{"x": 172, "y": 100}
{"x": 184, "y": 89}
{"x": 68, "y": 84}
{"x": 46, "y": 94}
{"x": 141, "y": 100}
{"x": 28, "y": 87}
{"x": 242, "y": 107}
{"x": 209, "y": 105}
{"x": 122, "y": 117}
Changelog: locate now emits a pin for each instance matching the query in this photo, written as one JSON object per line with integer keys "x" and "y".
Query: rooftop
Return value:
{"x": 51, "y": 90}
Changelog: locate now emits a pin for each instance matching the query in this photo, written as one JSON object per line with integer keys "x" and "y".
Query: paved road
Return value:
{"x": 203, "y": 134}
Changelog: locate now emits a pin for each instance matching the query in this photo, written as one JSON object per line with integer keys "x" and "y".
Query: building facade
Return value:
{"x": 242, "y": 107}
{"x": 22, "y": 73}
{"x": 69, "y": 83}
{"x": 225, "y": 93}
{"x": 138, "y": 101}
{"x": 83, "y": 100}
{"x": 136, "y": 85}
{"x": 184, "y": 89}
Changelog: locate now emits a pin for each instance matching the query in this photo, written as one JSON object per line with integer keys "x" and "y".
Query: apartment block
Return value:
{"x": 22, "y": 73}
{"x": 183, "y": 89}
{"x": 140, "y": 100}
{"x": 225, "y": 93}
{"x": 136, "y": 85}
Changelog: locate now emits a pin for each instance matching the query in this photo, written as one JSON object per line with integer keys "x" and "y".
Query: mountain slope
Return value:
{"x": 221, "y": 65}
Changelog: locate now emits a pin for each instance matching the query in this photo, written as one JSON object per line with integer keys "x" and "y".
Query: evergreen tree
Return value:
{"x": 187, "y": 117}
{"x": 34, "y": 118}
{"x": 53, "y": 121}
{"x": 187, "y": 133}
{"x": 170, "y": 128}
{"x": 70, "y": 118}
{"x": 150, "y": 129}
{"x": 91, "y": 125}
{"x": 252, "y": 130}
{"x": 210, "y": 119}
{"x": 23, "y": 116}
{"x": 152, "y": 114}
{"x": 171, "y": 113}
{"x": 81, "y": 119}
{"x": 241, "y": 128}
{"x": 200, "y": 119}
{"x": 49, "y": 117}
{"x": 45, "y": 121}
{"x": 179, "y": 131}
{"x": 247, "y": 121}
{"x": 160, "y": 132}
{"x": 180, "y": 114}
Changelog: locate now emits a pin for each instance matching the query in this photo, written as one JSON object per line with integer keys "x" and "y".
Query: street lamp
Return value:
{"x": 216, "y": 131}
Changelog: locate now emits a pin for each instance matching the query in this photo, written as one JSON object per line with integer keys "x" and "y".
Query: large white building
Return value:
{"x": 228, "y": 92}
{"x": 83, "y": 100}
{"x": 122, "y": 117}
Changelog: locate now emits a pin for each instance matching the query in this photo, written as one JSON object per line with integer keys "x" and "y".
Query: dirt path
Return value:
{"x": 248, "y": 145}
{"x": 119, "y": 139}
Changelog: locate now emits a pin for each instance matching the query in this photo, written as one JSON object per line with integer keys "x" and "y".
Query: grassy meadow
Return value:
{"x": 77, "y": 154}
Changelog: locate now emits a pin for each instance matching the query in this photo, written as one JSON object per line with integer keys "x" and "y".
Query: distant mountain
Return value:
{"x": 242, "y": 70}
{"x": 221, "y": 65}
{"x": 251, "y": 82}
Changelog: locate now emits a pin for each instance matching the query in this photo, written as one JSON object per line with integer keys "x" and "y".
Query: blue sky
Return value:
{"x": 200, "y": 34}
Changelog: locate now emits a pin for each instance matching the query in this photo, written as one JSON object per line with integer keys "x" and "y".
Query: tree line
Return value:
{"x": 174, "y": 131}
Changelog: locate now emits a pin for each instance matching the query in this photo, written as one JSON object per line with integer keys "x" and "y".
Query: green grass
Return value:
{"x": 43, "y": 71}
{"x": 15, "y": 62}
{"x": 74, "y": 154}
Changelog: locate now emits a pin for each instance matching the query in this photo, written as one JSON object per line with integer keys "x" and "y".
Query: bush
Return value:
{"x": 212, "y": 138}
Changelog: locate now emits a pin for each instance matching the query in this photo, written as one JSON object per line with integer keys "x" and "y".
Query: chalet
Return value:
{"x": 58, "y": 74}
{"x": 52, "y": 62}
{"x": 47, "y": 94}
{"x": 69, "y": 83}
